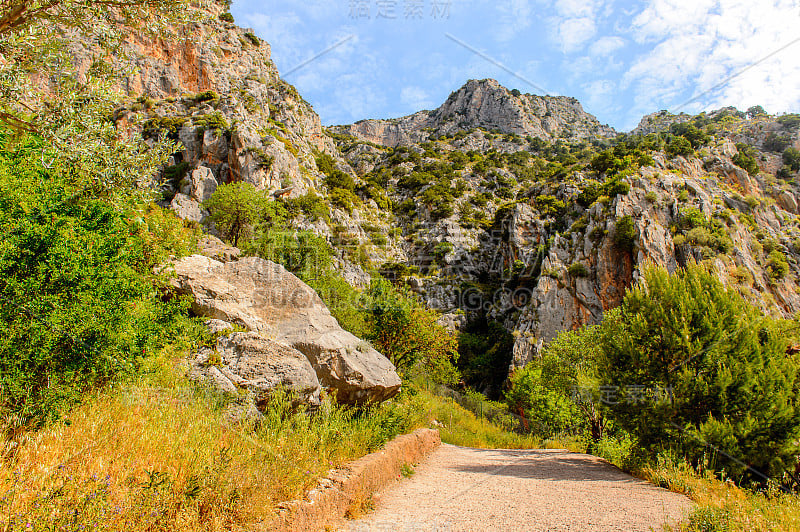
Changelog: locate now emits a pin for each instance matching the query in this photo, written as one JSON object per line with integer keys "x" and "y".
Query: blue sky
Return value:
{"x": 621, "y": 58}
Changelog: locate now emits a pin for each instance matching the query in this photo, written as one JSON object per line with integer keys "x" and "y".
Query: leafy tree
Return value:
{"x": 79, "y": 303}
{"x": 334, "y": 178}
{"x": 702, "y": 371}
{"x": 409, "y": 335}
{"x": 679, "y": 146}
{"x": 625, "y": 233}
{"x": 549, "y": 205}
{"x": 532, "y": 395}
{"x": 485, "y": 351}
{"x": 690, "y": 132}
{"x": 777, "y": 267}
{"x": 559, "y": 390}
{"x": 746, "y": 158}
{"x": 235, "y": 208}
{"x": 791, "y": 158}
{"x": 756, "y": 111}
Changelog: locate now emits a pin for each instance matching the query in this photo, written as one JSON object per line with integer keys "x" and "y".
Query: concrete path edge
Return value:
{"x": 327, "y": 503}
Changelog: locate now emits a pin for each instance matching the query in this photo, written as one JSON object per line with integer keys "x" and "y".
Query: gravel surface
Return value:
{"x": 458, "y": 488}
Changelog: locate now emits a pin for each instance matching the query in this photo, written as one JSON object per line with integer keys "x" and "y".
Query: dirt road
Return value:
{"x": 458, "y": 489}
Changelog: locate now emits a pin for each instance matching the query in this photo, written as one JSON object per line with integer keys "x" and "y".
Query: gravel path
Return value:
{"x": 458, "y": 488}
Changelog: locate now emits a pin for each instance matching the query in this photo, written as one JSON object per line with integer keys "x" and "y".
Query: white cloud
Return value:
{"x": 605, "y": 46}
{"x": 577, "y": 8}
{"x": 575, "y": 22}
{"x": 573, "y": 33}
{"x": 700, "y": 45}
{"x": 514, "y": 18}
{"x": 415, "y": 98}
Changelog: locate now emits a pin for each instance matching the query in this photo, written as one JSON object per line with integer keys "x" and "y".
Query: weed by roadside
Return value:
{"x": 160, "y": 454}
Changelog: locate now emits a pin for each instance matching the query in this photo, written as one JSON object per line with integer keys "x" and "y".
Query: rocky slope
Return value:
{"x": 497, "y": 207}
{"x": 215, "y": 89}
{"x": 486, "y": 104}
{"x": 544, "y": 237}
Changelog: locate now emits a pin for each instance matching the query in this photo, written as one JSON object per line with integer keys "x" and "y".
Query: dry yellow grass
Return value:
{"x": 722, "y": 505}
{"x": 159, "y": 455}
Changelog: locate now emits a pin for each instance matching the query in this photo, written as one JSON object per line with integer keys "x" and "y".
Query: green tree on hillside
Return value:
{"x": 235, "y": 209}
{"x": 695, "y": 367}
{"x": 79, "y": 303}
{"x": 409, "y": 335}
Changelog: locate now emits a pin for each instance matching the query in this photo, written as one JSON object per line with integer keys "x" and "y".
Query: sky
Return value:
{"x": 358, "y": 59}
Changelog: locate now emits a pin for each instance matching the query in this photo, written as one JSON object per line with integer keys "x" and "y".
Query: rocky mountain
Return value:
{"x": 487, "y": 105}
{"x": 517, "y": 216}
{"x": 215, "y": 89}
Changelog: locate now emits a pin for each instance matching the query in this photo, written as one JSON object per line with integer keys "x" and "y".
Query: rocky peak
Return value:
{"x": 486, "y": 104}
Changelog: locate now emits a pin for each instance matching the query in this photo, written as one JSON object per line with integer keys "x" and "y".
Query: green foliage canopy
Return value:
{"x": 733, "y": 390}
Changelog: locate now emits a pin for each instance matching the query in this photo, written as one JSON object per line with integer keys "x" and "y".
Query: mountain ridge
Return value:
{"x": 488, "y": 105}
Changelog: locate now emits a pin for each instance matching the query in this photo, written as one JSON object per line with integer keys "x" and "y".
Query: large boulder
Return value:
{"x": 249, "y": 362}
{"x": 265, "y": 298}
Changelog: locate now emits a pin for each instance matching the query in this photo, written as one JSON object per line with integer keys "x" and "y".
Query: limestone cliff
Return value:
{"x": 486, "y": 104}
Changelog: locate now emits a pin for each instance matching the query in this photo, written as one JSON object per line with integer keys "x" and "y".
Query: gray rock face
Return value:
{"x": 188, "y": 208}
{"x": 268, "y": 300}
{"x": 215, "y": 248}
{"x": 202, "y": 184}
{"x": 486, "y": 104}
{"x": 249, "y": 362}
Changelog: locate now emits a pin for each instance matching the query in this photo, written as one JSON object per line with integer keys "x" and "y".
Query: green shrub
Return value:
{"x": 343, "y": 199}
{"x": 310, "y": 204}
{"x": 166, "y": 126}
{"x": 679, "y": 146}
{"x": 690, "y": 132}
{"x": 441, "y": 250}
{"x": 625, "y": 233}
{"x": 777, "y": 267}
{"x": 789, "y": 121}
{"x": 692, "y": 217}
{"x": 215, "y": 122}
{"x": 556, "y": 391}
{"x": 415, "y": 181}
{"x": 379, "y": 239}
{"x": 578, "y": 269}
{"x": 226, "y": 17}
{"x": 699, "y": 370}
{"x": 791, "y": 158}
{"x": 79, "y": 303}
{"x": 776, "y": 143}
{"x": 549, "y": 205}
{"x": 409, "y": 334}
{"x": 615, "y": 187}
{"x": 746, "y": 158}
{"x": 651, "y": 197}
{"x": 200, "y": 97}
{"x": 235, "y": 209}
